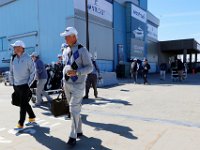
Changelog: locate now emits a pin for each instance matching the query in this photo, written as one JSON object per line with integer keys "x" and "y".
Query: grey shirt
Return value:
{"x": 22, "y": 70}
{"x": 83, "y": 62}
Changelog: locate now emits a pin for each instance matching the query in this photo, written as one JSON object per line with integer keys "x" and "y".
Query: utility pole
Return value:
{"x": 87, "y": 25}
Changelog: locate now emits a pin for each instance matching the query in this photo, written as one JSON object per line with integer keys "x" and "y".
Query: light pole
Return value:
{"x": 87, "y": 25}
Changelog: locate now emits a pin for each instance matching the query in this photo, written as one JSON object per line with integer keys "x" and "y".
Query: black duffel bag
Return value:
{"x": 16, "y": 100}
{"x": 60, "y": 106}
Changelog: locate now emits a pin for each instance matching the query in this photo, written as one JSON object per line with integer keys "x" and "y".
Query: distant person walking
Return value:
{"x": 77, "y": 65}
{"x": 146, "y": 68}
{"x": 163, "y": 69}
{"x": 92, "y": 79}
{"x": 180, "y": 68}
{"x": 22, "y": 73}
{"x": 41, "y": 77}
{"x": 134, "y": 70}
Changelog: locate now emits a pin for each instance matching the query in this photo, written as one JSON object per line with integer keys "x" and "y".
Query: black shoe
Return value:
{"x": 96, "y": 96}
{"x": 79, "y": 135}
{"x": 85, "y": 97}
{"x": 71, "y": 141}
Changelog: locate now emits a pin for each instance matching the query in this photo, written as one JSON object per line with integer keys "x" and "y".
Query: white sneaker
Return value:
{"x": 31, "y": 124}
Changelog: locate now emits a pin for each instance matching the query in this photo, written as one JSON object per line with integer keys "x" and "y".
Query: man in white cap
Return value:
{"x": 41, "y": 77}
{"x": 77, "y": 65}
{"x": 22, "y": 73}
{"x": 134, "y": 70}
{"x": 58, "y": 69}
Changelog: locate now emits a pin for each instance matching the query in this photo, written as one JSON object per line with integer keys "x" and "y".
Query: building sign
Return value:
{"x": 138, "y": 32}
{"x": 152, "y": 32}
{"x": 99, "y": 8}
{"x": 120, "y": 49}
{"x": 137, "y": 49}
{"x": 4, "y": 2}
{"x": 138, "y": 13}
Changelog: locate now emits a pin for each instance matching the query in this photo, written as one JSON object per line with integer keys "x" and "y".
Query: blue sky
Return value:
{"x": 179, "y": 19}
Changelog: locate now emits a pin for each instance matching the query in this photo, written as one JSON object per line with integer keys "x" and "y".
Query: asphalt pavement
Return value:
{"x": 161, "y": 116}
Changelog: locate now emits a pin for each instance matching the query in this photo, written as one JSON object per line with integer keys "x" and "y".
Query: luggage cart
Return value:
{"x": 6, "y": 78}
{"x": 175, "y": 76}
{"x": 50, "y": 93}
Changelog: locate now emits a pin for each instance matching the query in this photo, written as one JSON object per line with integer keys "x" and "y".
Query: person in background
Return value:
{"x": 92, "y": 79}
{"x": 163, "y": 69}
{"x": 63, "y": 47}
{"x": 60, "y": 61}
{"x": 22, "y": 73}
{"x": 41, "y": 77}
{"x": 77, "y": 65}
{"x": 146, "y": 68}
{"x": 58, "y": 69}
{"x": 134, "y": 70}
{"x": 180, "y": 68}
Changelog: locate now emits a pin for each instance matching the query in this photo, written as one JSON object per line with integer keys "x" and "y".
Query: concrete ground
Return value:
{"x": 161, "y": 116}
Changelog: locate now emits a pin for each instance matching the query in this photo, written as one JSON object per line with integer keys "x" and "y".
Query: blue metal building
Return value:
{"x": 113, "y": 26}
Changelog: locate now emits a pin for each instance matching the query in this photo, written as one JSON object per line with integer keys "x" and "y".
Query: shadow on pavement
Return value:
{"x": 117, "y": 129}
{"x": 89, "y": 143}
{"x": 104, "y": 101}
{"x": 43, "y": 137}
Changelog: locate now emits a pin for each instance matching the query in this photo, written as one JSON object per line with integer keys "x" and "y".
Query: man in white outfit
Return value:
{"x": 77, "y": 65}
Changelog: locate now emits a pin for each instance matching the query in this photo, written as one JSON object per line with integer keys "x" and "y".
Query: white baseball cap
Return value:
{"x": 69, "y": 31}
{"x": 18, "y": 43}
{"x": 59, "y": 55}
{"x": 34, "y": 54}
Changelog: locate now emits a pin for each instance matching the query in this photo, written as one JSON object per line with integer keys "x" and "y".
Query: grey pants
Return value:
{"x": 91, "y": 81}
{"x": 40, "y": 90}
{"x": 74, "y": 94}
{"x": 134, "y": 76}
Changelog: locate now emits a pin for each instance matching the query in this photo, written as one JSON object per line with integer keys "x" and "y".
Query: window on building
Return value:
{"x": 3, "y": 44}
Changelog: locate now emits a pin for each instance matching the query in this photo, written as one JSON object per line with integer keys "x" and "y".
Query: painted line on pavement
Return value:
{"x": 156, "y": 120}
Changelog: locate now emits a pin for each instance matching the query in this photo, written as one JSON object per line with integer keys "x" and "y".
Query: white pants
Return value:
{"x": 74, "y": 94}
{"x": 40, "y": 90}
{"x": 162, "y": 74}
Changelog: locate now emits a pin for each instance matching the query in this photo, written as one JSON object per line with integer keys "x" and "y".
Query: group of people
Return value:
{"x": 143, "y": 67}
{"x": 136, "y": 66}
{"x": 80, "y": 72}
{"x": 178, "y": 67}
